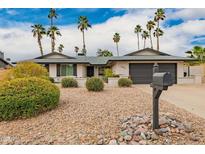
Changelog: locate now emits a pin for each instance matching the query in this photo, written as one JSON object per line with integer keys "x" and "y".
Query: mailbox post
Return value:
{"x": 160, "y": 82}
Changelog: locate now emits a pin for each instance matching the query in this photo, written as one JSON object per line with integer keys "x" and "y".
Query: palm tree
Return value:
{"x": 159, "y": 15}
{"x": 52, "y": 32}
{"x": 52, "y": 14}
{"x": 83, "y": 24}
{"x": 150, "y": 25}
{"x": 157, "y": 33}
{"x": 138, "y": 30}
{"x": 199, "y": 52}
{"x": 145, "y": 35}
{"x": 38, "y": 32}
{"x": 116, "y": 39}
{"x": 60, "y": 48}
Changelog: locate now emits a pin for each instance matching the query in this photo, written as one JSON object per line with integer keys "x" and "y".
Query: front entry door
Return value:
{"x": 90, "y": 71}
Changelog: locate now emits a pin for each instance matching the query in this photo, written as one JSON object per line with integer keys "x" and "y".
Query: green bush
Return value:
{"x": 27, "y": 97}
{"x": 27, "y": 69}
{"x": 51, "y": 79}
{"x": 108, "y": 72}
{"x": 69, "y": 82}
{"x": 94, "y": 84}
{"x": 124, "y": 82}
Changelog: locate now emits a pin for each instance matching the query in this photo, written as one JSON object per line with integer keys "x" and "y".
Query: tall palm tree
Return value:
{"x": 116, "y": 39}
{"x": 38, "y": 32}
{"x": 138, "y": 30}
{"x": 83, "y": 24}
{"x": 145, "y": 35}
{"x": 157, "y": 33}
{"x": 159, "y": 15}
{"x": 150, "y": 25}
{"x": 52, "y": 14}
{"x": 60, "y": 48}
{"x": 52, "y": 32}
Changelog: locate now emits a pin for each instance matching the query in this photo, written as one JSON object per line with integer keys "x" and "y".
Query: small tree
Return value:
{"x": 27, "y": 69}
{"x": 104, "y": 53}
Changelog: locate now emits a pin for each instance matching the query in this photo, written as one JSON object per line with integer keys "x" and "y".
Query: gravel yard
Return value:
{"x": 84, "y": 117}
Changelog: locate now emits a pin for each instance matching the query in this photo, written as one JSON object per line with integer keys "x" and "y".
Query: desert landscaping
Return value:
{"x": 107, "y": 117}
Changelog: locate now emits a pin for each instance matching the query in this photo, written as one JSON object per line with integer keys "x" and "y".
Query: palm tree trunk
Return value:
{"x": 51, "y": 21}
{"x": 144, "y": 43}
{"x": 40, "y": 46}
{"x": 83, "y": 39}
{"x": 53, "y": 43}
{"x": 150, "y": 36}
{"x": 117, "y": 49}
{"x": 158, "y": 35}
{"x": 138, "y": 41}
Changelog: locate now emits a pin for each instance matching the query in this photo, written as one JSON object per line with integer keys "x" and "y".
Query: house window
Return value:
{"x": 66, "y": 70}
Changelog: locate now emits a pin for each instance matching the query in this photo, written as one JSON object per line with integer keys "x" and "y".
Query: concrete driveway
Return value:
{"x": 189, "y": 97}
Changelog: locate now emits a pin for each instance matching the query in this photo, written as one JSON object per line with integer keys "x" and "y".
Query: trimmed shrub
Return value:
{"x": 51, "y": 79}
{"x": 124, "y": 82}
{"x": 69, "y": 82}
{"x": 27, "y": 97}
{"x": 108, "y": 72}
{"x": 27, "y": 69}
{"x": 94, "y": 84}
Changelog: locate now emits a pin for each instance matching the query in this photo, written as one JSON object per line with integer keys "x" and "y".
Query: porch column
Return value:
{"x": 52, "y": 70}
{"x": 96, "y": 72}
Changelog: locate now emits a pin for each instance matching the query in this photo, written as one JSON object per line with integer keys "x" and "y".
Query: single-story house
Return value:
{"x": 136, "y": 65}
{"x": 3, "y": 63}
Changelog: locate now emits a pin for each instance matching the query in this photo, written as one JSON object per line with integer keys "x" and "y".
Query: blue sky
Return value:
{"x": 182, "y": 28}
{"x": 69, "y": 16}
{"x": 66, "y": 16}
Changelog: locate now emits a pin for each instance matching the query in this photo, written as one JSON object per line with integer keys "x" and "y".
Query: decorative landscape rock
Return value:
{"x": 113, "y": 142}
{"x": 81, "y": 116}
{"x": 137, "y": 130}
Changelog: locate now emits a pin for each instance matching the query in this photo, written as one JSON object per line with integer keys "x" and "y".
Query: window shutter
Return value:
{"x": 58, "y": 70}
{"x": 75, "y": 69}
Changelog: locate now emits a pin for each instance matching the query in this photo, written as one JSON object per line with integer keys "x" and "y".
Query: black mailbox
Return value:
{"x": 163, "y": 79}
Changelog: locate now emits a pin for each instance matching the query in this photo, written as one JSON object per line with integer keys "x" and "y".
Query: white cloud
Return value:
{"x": 187, "y": 14}
{"x": 11, "y": 12}
{"x": 18, "y": 43}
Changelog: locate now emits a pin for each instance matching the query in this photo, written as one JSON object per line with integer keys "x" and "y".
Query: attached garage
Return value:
{"x": 141, "y": 73}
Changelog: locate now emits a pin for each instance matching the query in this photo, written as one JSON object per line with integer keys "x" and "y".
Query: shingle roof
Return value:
{"x": 148, "y": 49}
{"x": 53, "y": 53}
{"x": 105, "y": 60}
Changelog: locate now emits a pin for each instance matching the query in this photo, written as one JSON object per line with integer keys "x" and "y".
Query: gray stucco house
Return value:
{"x": 3, "y": 63}
{"x": 136, "y": 65}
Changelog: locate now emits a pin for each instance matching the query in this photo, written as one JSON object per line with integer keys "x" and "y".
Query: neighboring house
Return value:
{"x": 3, "y": 63}
{"x": 196, "y": 73}
{"x": 136, "y": 65}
